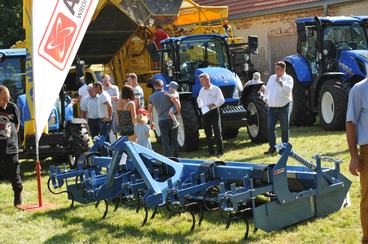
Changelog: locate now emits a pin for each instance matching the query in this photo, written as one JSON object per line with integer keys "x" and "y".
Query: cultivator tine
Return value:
{"x": 106, "y": 209}
{"x": 154, "y": 213}
{"x": 246, "y": 234}
{"x": 145, "y": 220}
{"x": 117, "y": 203}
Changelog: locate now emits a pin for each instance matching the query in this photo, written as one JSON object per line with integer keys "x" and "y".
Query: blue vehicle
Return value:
{"x": 67, "y": 137}
{"x": 184, "y": 59}
{"x": 332, "y": 57}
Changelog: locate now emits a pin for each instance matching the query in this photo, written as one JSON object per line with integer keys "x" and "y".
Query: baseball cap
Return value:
{"x": 173, "y": 85}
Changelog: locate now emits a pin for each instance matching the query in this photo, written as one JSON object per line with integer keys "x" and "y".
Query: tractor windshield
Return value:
{"x": 349, "y": 37}
{"x": 12, "y": 75}
{"x": 202, "y": 52}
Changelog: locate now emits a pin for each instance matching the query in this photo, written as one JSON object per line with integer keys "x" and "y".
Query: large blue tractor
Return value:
{"x": 67, "y": 137}
{"x": 184, "y": 59}
{"x": 332, "y": 57}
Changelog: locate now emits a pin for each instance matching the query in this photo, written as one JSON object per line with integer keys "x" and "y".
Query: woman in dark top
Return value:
{"x": 127, "y": 112}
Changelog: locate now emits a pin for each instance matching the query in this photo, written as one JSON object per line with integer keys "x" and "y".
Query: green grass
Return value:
{"x": 83, "y": 224}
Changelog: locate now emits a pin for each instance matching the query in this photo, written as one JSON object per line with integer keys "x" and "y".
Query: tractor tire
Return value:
{"x": 188, "y": 134}
{"x": 333, "y": 101}
{"x": 230, "y": 133}
{"x": 78, "y": 139}
{"x": 301, "y": 114}
{"x": 257, "y": 118}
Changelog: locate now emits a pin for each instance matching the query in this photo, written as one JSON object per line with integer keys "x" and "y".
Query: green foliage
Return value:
{"x": 11, "y": 29}
{"x": 83, "y": 224}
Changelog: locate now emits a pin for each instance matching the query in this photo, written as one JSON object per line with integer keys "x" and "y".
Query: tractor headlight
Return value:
{"x": 236, "y": 94}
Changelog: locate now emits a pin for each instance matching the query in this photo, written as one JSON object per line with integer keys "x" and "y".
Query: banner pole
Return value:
{"x": 38, "y": 174}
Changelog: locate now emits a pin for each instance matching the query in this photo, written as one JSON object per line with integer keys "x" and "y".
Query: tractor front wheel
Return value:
{"x": 257, "y": 119}
{"x": 333, "y": 100}
{"x": 188, "y": 134}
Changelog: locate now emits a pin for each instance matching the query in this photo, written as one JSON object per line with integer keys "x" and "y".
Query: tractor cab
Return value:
{"x": 326, "y": 42}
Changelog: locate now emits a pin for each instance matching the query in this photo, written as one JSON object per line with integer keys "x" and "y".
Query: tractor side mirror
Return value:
{"x": 302, "y": 34}
{"x": 2, "y": 57}
{"x": 80, "y": 71}
{"x": 253, "y": 44}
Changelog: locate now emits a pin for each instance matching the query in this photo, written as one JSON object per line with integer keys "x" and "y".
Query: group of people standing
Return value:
{"x": 109, "y": 111}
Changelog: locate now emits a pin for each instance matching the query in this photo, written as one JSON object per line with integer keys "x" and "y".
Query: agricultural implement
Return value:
{"x": 275, "y": 195}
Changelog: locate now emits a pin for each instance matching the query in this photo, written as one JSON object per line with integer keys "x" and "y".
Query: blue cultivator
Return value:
{"x": 276, "y": 195}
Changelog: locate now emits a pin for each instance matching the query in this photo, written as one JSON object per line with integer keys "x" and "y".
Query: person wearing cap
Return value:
{"x": 162, "y": 105}
{"x": 142, "y": 130}
{"x": 173, "y": 95}
{"x": 138, "y": 91}
{"x": 256, "y": 80}
{"x": 209, "y": 100}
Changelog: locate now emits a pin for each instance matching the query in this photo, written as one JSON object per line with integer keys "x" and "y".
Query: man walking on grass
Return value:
{"x": 357, "y": 134}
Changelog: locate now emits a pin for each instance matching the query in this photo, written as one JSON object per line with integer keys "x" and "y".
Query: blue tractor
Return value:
{"x": 67, "y": 137}
{"x": 184, "y": 59}
{"x": 332, "y": 57}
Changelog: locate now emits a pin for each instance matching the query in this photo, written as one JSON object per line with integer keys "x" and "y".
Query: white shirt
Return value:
{"x": 89, "y": 105}
{"x": 101, "y": 106}
{"x": 83, "y": 93}
{"x": 139, "y": 95}
{"x": 276, "y": 95}
{"x": 212, "y": 95}
{"x": 113, "y": 92}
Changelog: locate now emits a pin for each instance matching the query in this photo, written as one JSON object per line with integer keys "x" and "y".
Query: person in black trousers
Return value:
{"x": 9, "y": 126}
{"x": 209, "y": 100}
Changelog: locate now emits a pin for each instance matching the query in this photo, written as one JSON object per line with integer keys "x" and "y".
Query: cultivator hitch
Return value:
{"x": 276, "y": 195}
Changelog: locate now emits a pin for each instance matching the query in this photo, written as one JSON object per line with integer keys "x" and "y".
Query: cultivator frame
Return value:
{"x": 278, "y": 195}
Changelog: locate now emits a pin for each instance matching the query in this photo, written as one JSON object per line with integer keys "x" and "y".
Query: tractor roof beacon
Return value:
{"x": 332, "y": 57}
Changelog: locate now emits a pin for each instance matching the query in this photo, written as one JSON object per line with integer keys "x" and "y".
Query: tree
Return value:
{"x": 11, "y": 29}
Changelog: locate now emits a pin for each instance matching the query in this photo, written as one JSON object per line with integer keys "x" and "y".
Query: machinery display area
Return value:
{"x": 136, "y": 176}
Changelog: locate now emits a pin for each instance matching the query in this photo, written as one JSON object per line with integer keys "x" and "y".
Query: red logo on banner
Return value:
{"x": 60, "y": 39}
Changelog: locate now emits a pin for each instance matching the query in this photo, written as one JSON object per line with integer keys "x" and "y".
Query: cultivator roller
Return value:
{"x": 274, "y": 195}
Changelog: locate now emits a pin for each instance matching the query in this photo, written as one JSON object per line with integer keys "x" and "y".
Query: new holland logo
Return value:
{"x": 63, "y": 31}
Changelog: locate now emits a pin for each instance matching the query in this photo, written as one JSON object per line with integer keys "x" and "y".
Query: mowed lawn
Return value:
{"x": 83, "y": 224}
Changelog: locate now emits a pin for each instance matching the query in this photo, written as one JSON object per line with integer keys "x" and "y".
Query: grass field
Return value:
{"x": 83, "y": 224}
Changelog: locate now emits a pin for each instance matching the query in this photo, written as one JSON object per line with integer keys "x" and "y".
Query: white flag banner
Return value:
{"x": 58, "y": 28}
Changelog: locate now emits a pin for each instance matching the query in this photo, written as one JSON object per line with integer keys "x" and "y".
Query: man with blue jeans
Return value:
{"x": 278, "y": 97}
{"x": 162, "y": 104}
{"x": 104, "y": 109}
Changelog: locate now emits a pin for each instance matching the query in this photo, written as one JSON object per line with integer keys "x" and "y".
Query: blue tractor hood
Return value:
{"x": 219, "y": 76}
{"x": 354, "y": 63}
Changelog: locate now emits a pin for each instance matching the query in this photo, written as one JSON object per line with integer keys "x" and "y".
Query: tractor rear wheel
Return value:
{"x": 301, "y": 114}
{"x": 333, "y": 100}
{"x": 188, "y": 134}
{"x": 257, "y": 119}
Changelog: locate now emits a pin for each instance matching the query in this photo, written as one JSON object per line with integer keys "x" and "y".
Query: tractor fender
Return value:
{"x": 301, "y": 68}
{"x": 318, "y": 82}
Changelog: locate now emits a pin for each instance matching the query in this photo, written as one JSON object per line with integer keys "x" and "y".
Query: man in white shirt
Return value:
{"x": 104, "y": 109}
{"x": 209, "y": 100}
{"x": 138, "y": 91}
{"x": 89, "y": 109}
{"x": 114, "y": 94}
{"x": 82, "y": 91}
{"x": 278, "y": 97}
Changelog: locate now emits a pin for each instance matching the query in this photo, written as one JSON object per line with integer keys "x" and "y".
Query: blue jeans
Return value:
{"x": 169, "y": 138}
{"x": 105, "y": 128}
{"x": 278, "y": 115}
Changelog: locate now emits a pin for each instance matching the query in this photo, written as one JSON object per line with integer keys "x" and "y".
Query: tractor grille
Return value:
{"x": 227, "y": 91}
